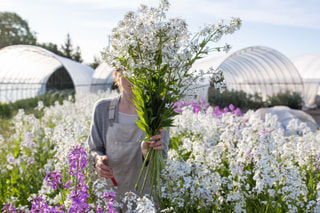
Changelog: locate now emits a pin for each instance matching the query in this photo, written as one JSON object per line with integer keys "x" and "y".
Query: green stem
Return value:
{"x": 142, "y": 168}
{"x": 159, "y": 167}
{"x": 152, "y": 172}
{"x": 146, "y": 175}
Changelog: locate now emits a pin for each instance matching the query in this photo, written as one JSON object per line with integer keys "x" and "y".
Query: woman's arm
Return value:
{"x": 95, "y": 139}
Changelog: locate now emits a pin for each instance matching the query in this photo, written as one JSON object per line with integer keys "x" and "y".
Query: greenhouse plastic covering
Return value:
{"x": 285, "y": 115}
{"x": 256, "y": 70}
{"x": 102, "y": 78}
{"x": 309, "y": 69}
{"x": 25, "y": 70}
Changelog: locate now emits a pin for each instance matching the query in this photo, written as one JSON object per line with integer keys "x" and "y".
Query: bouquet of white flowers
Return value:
{"x": 156, "y": 56}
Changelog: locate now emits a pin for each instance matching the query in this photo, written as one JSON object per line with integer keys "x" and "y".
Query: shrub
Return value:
{"x": 5, "y": 110}
{"x": 239, "y": 99}
{"x": 48, "y": 99}
{"x": 291, "y": 99}
{"x": 247, "y": 101}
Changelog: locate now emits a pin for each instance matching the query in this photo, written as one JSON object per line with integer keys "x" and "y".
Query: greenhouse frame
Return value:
{"x": 256, "y": 69}
{"x": 102, "y": 78}
{"x": 309, "y": 69}
{"x": 29, "y": 71}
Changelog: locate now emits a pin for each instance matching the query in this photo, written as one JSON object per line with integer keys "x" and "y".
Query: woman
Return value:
{"x": 115, "y": 140}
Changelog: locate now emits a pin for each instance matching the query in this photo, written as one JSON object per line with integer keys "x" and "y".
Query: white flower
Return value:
{"x": 10, "y": 158}
{"x": 145, "y": 205}
{"x": 40, "y": 105}
{"x": 30, "y": 161}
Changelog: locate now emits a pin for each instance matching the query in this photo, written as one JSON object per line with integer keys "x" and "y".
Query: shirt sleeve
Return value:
{"x": 95, "y": 139}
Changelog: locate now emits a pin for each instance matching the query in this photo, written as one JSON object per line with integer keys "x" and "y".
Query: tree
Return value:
{"x": 67, "y": 48}
{"x": 68, "y": 51}
{"x": 77, "y": 55}
{"x": 51, "y": 47}
{"x": 96, "y": 62}
{"x": 15, "y": 30}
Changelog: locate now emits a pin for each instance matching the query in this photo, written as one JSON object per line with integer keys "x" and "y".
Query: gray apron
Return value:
{"x": 124, "y": 153}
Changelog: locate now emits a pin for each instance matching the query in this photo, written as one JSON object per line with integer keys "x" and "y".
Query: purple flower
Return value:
{"x": 67, "y": 185}
{"x": 231, "y": 107}
{"x": 79, "y": 198}
{"x": 108, "y": 196}
{"x": 238, "y": 112}
{"x": 200, "y": 107}
{"x": 53, "y": 178}
{"x": 217, "y": 112}
{"x": 77, "y": 160}
{"x": 204, "y": 106}
{"x": 178, "y": 110}
{"x": 178, "y": 105}
{"x": 196, "y": 108}
{"x": 109, "y": 201}
{"x": 39, "y": 205}
{"x": 9, "y": 208}
{"x": 99, "y": 209}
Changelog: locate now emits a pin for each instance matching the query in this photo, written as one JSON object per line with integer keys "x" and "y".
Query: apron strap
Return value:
{"x": 112, "y": 109}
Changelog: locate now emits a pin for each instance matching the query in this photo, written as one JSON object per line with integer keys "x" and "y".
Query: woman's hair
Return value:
{"x": 116, "y": 78}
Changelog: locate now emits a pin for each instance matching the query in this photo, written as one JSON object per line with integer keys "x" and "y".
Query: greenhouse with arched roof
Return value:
{"x": 102, "y": 78}
{"x": 30, "y": 71}
{"x": 309, "y": 69}
{"x": 256, "y": 69}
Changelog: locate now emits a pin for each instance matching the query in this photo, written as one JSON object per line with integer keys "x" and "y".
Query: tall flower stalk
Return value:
{"x": 157, "y": 57}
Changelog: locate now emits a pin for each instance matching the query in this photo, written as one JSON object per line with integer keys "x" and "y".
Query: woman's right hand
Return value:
{"x": 102, "y": 168}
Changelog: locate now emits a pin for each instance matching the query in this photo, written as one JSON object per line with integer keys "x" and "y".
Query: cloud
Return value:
{"x": 100, "y": 24}
{"x": 118, "y": 4}
{"x": 7, "y": 5}
{"x": 286, "y": 12}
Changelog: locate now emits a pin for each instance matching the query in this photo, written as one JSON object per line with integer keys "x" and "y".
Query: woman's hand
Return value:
{"x": 102, "y": 168}
{"x": 155, "y": 142}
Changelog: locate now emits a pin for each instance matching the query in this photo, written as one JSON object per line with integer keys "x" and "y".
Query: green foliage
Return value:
{"x": 10, "y": 109}
{"x": 5, "y": 130}
{"x": 21, "y": 177}
{"x": 15, "y": 30}
{"x": 247, "y": 101}
{"x": 5, "y": 110}
{"x": 96, "y": 62}
{"x": 51, "y": 47}
{"x": 68, "y": 51}
{"x": 291, "y": 99}
{"x": 151, "y": 98}
{"x": 67, "y": 47}
{"x": 24, "y": 175}
{"x": 239, "y": 99}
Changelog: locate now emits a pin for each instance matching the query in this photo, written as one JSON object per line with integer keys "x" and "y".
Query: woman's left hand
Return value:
{"x": 155, "y": 142}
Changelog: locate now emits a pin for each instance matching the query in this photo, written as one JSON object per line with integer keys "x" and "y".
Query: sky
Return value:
{"x": 291, "y": 27}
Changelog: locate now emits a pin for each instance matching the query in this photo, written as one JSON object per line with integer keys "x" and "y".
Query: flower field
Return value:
{"x": 218, "y": 161}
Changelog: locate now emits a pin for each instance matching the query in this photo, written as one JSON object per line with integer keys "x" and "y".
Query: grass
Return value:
{"x": 5, "y": 130}
{"x": 9, "y": 110}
